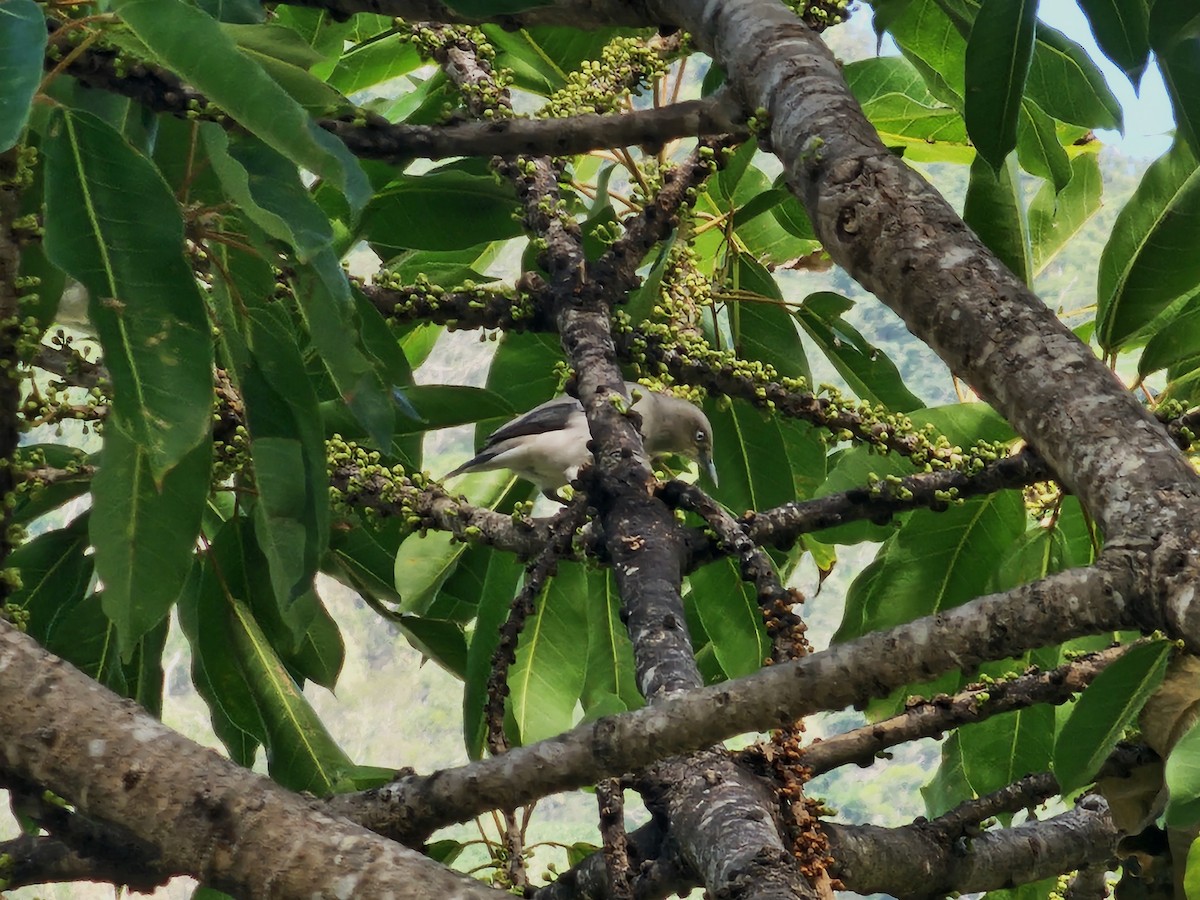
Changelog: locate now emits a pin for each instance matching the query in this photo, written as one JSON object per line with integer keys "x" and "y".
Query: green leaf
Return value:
{"x": 423, "y": 564}
{"x": 896, "y": 100}
{"x": 546, "y": 679}
{"x": 762, "y": 328}
{"x": 144, "y": 534}
{"x": 447, "y": 405}
{"x": 22, "y": 47}
{"x": 503, "y": 575}
{"x": 55, "y": 574}
{"x": 935, "y": 561}
{"x": 1191, "y": 876}
{"x": 444, "y": 209}
{"x": 273, "y": 41}
{"x": 993, "y": 210}
{"x": 203, "y": 616}
{"x": 949, "y": 786}
{"x": 1038, "y": 147}
{"x": 729, "y": 610}
{"x": 31, "y": 499}
{"x": 1107, "y": 707}
{"x": 194, "y": 46}
{"x": 144, "y": 301}
{"x": 610, "y": 680}
{"x": 268, "y": 190}
{"x": 1176, "y": 345}
{"x": 373, "y": 62}
{"x": 1121, "y": 28}
{"x": 866, "y": 369}
{"x": 1067, "y": 85}
{"x": 1002, "y": 749}
{"x": 363, "y": 557}
{"x": 540, "y": 58}
{"x": 1055, "y": 217}
{"x": 1149, "y": 260}
{"x": 751, "y": 457}
{"x": 332, "y": 318}
{"x": 1183, "y": 781}
{"x": 291, "y": 512}
{"x": 443, "y": 642}
{"x": 999, "y": 52}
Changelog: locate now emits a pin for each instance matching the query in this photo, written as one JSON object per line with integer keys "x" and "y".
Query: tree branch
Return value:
{"x": 230, "y": 828}
{"x": 1063, "y": 606}
{"x": 566, "y": 136}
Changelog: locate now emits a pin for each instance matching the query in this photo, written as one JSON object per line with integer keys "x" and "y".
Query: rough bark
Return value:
{"x": 207, "y": 817}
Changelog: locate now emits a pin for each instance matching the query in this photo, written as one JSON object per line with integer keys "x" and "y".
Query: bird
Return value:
{"x": 549, "y": 444}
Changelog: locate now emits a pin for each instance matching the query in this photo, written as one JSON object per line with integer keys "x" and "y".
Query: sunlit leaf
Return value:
{"x": 1103, "y": 712}
{"x": 144, "y": 301}
{"x": 998, "y": 54}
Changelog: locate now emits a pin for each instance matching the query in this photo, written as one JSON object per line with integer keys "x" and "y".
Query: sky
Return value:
{"x": 1148, "y": 120}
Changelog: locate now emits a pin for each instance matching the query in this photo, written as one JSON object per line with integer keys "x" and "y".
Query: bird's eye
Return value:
{"x": 701, "y": 437}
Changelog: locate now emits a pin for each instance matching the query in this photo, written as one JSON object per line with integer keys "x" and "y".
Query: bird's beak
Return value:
{"x": 706, "y": 465}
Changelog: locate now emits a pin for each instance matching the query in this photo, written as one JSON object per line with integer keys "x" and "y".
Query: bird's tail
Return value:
{"x": 478, "y": 461}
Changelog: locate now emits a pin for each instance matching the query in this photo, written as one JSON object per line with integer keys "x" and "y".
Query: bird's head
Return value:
{"x": 671, "y": 425}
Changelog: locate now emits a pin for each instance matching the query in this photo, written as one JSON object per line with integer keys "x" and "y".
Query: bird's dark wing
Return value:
{"x": 553, "y": 415}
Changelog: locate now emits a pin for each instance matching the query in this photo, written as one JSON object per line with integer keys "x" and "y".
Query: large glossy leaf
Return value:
{"x": 291, "y": 511}
{"x": 1183, "y": 781}
{"x": 301, "y": 754}
{"x": 1039, "y": 149}
{"x": 949, "y": 784}
{"x": 994, "y": 211}
{"x": 1062, "y": 79}
{"x": 1149, "y": 259}
{"x": 999, "y": 51}
{"x": 249, "y": 685}
{"x": 503, "y": 575}
{"x": 144, "y": 302}
{"x": 423, "y": 563}
{"x": 540, "y": 58}
{"x": 934, "y": 562}
{"x": 731, "y": 616}
{"x": 1056, "y": 216}
{"x": 1121, "y": 28}
{"x": 762, "y": 328}
{"x": 144, "y": 533}
{"x": 192, "y": 44}
{"x": 268, "y": 190}
{"x": 22, "y": 46}
{"x": 866, "y": 369}
{"x": 373, "y": 62}
{"x": 546, "y": 679}
{"x": 750, "y": 457}
{"x": 55, "y": 574}
{"x": 1176, "y": 345}
{"x": 610, "y": 680}
{"x": 446, "y": 209}
{"x": 1103, "y": 712}
{"x": 1002, "y": 749}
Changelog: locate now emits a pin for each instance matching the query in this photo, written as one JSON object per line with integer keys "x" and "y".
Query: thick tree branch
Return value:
{"x": 931, "y": 718}
{"x": 1070, "y": 604}
{"x": 567, "y": 136}
{"x": 895, "y": 234}
{"x": 916, "y": 861}
{"x": 228, "y": 827}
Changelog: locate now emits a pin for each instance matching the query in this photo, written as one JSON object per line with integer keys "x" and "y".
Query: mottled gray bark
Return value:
{"x": 207, "y": 817}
